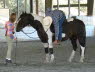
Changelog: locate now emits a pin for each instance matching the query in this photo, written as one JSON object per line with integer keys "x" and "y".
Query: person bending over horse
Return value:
{"x": 58, "y": 18}
{"x": 9, "y": 27}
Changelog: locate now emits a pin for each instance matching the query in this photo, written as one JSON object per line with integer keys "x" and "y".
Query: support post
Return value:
{"x": 37, "y": 6}
{"x": 58, "y": 4}
{"x": 78, "y": 7}
{"x": 69, "y": 8}
{"x": 31, "y": 6}
{"x": 90, "y": 7}
{"x": 48, "y": 4}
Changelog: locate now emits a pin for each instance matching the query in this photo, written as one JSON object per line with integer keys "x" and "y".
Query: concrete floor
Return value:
{"x": 29, "y": 57}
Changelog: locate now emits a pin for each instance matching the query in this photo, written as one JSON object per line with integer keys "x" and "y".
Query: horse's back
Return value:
{"x": 75, "y": 27}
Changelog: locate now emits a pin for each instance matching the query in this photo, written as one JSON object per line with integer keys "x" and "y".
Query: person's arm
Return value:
{"x": 10, "y": 31}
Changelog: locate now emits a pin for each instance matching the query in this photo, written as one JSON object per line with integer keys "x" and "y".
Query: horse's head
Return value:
{"x": 23, "y": 21}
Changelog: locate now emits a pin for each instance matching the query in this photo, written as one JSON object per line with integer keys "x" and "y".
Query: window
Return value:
{"x": 83, "y": 10}
{"x": 83, "y": 1}
{"x": 65, "y": 10}
{"x": 74, "y": 11}
{"x": 1, "y": 3}
{"x": 77, "y": 7}
{"x": 61, "y": 2}
{"x": 73, "y": 1}
{"x": 17, "y": 6}
{"x": 12, "y": 5}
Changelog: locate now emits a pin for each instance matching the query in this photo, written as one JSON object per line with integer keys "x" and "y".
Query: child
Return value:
{"x": 9, "y": 27}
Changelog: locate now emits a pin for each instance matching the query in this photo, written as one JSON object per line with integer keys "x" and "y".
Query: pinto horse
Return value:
{"x": 73, "y": 28}
{"x": 42, "y": 26}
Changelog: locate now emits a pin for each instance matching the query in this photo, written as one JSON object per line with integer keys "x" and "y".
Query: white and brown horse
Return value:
{"x": 42, "y": 26}
{"x": 73, "y": 28}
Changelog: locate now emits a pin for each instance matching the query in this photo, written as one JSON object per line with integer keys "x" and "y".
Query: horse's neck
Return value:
{"x": 37, "y": 17}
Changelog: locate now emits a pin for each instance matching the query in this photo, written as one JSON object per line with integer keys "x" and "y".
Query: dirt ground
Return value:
{"x": 29, "y": 57}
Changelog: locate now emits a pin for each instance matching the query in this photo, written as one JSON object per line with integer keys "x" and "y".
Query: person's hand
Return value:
{"x": 15, "y": 38}
{"x": 13, "y": 32}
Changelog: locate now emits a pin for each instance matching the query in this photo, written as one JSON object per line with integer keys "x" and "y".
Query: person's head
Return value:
{"x": 12, "y": 17}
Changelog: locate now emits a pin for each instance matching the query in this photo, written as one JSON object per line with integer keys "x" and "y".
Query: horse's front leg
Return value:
{"x": 49, "y": 33}
{"x": 46, "y": 52}
{"x": 44, "y": 39}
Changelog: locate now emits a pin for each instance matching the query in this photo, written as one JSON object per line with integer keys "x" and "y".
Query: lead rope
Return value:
{"x": 15, "y": 49}
{"x": 31, "y": 33}
{"x": 15, "y": 46}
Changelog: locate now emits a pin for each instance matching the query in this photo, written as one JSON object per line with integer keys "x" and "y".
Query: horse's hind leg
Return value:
{"x": 74, "y": 44}
{"x": 82, "y": 45}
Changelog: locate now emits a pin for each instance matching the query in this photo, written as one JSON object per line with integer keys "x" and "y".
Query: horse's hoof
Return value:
{"x": 70, "y": 60}
{"x": 81, "y": 61}
{"x": 46, "y": 61}
{"x": 52, "y": 58}
{"x": 51, "y": 61}
{"x": 47, "y": 58}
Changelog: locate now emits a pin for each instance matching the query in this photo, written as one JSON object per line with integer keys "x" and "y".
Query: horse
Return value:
{"x": 73, "y": 28}
{"x": 43, "y": 31}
